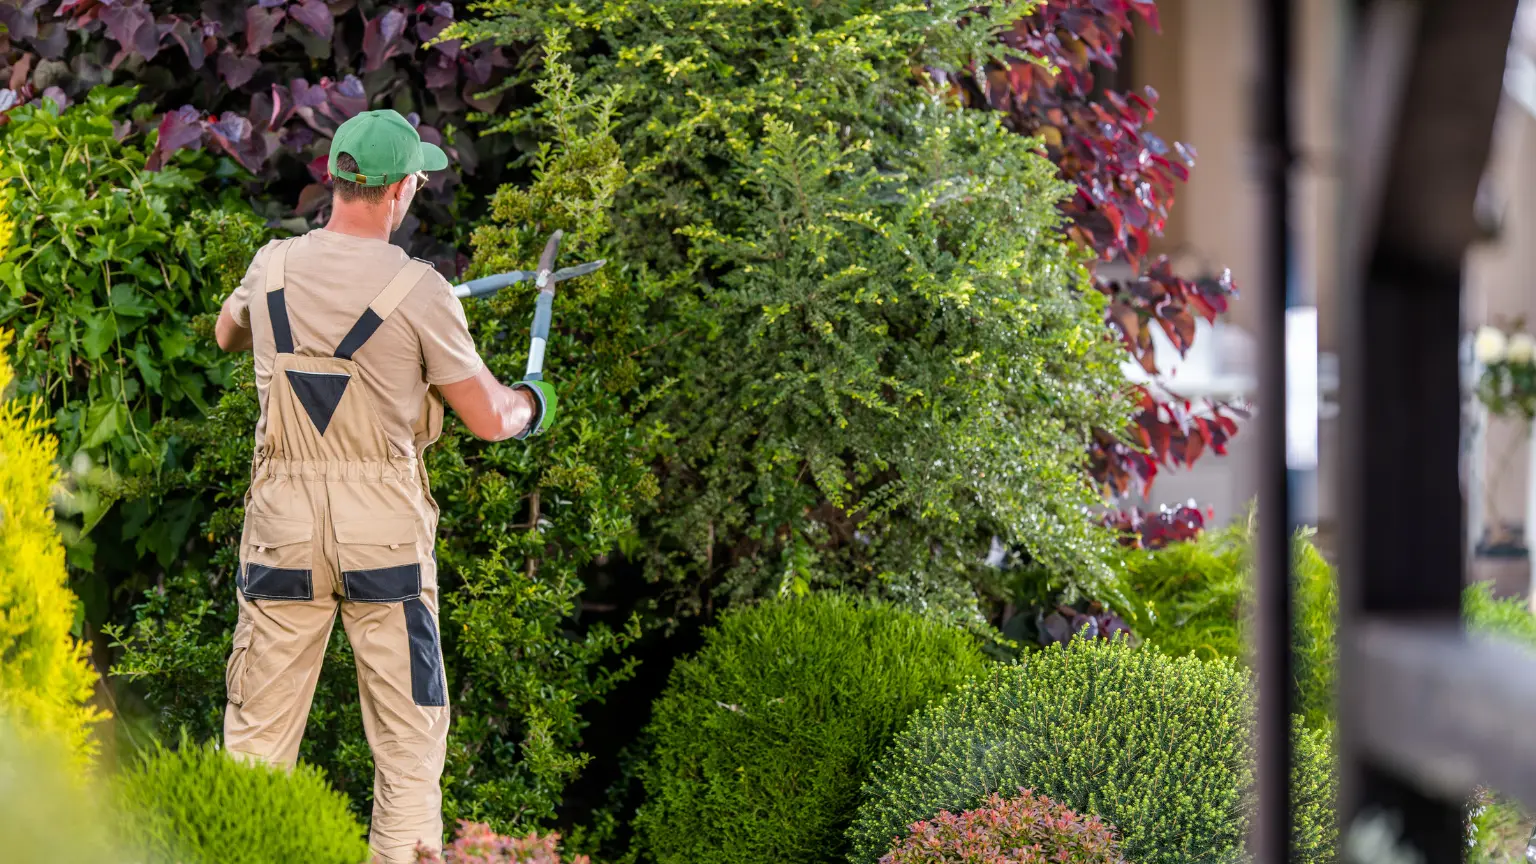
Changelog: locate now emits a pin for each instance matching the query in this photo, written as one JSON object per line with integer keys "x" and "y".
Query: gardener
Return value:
{"x": 354, "y": 342}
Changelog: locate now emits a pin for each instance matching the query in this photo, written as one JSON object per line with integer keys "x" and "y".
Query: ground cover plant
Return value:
{"x": 762, "y": 739}
{"x": 1023, "y": 829}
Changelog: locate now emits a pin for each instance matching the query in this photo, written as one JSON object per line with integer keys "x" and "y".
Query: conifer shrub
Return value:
{"x": 1159, "y": 747}
{"x": 1196, "y": 598}
{"x": 1027, "y": 829}
{"x": 45, "y": 674}
{"x": 763, "y": 737}
{"x": 199, "y": 805}
{"x": 49, "y": 812}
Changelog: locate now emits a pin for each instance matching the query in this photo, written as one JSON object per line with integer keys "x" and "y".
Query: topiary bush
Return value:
{"x": 1157, "y": 746}
{"x": 1028, "y": 829}
{"x": 197, "y": 805}
{"x": 46, "y": 677}
{"x": 762, "y": 739}
{"x": 476, "y": 843}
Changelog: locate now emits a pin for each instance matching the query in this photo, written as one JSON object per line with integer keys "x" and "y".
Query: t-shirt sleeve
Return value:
{"x": 252, "y": 285}
{"x": 447, "y": 350}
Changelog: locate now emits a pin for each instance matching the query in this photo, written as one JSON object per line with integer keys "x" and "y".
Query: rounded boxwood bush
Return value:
{"x": 761, "y": 741}
{"x": 1157, "y": 746}
{"x": 198, "y": 805}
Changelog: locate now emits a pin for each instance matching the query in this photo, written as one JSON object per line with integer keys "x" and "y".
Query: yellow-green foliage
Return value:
{"x": 48, "y": 816}
{"x": 45, "y": 677}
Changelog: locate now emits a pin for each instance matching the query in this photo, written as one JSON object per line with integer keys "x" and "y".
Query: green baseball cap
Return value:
{"x": 387, "y": 149}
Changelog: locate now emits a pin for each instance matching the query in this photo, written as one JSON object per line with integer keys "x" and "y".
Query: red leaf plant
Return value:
{"x": 478, "y": 844}
{"x": 1126, "y": 177}
{"x": 1029, "y": 829}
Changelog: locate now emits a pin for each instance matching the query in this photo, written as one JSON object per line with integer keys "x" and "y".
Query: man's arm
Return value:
{"x": 229, "y": 334}
{"x": 490, "y": 409}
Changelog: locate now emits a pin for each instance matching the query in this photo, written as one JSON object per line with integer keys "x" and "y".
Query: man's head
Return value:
{"x": 377, "y": 163}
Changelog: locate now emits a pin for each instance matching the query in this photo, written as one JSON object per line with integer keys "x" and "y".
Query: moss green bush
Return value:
{"x": 45, "y": 676}
{"x": 762, "y": 739}
{"x": 1195, "y": 599}
{"x": 197, "y": 805}
{"x": 1157, "y": 746}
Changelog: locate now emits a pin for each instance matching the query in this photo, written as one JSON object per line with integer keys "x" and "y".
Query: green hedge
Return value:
{"x": 1157, "y": 746}
{"x": 197, "y": 805}
{"x": 762, "y": 739}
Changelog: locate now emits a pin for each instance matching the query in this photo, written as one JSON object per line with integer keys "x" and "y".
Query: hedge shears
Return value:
{"x": 546, "y": 277}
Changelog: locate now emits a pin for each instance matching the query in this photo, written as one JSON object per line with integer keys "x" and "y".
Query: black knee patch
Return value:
{"x": 429, "y": 687}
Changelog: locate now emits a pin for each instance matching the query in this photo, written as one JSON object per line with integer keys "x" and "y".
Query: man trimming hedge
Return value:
{"x": 354, "y": 341}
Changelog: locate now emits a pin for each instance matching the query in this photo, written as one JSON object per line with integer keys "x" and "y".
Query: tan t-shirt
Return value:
{"x": 329, "y": 280}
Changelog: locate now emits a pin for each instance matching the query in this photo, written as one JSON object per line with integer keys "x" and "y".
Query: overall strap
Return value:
{"x": 381, "y": 307}
{"x": 277, "y": 308}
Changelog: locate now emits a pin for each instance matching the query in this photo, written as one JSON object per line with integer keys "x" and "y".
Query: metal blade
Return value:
{"x": 565, "y": 273}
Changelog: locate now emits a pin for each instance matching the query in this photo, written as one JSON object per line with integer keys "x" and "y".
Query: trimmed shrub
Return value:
{"x": 762, "y": 739}
{"x": 197, "y": 805}
{"x": 1029, "y": 829}
{"x": 476, "y": 843}
{"x": 45, "y": 674}
{"x": 1157, "y": 746}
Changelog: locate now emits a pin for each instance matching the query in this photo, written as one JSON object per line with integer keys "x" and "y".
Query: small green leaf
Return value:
{"x": 10, "y": 276}
{"x": 146, "y": 365}
{"x": 100, "y": 331}
{"x": 105, "y": 420}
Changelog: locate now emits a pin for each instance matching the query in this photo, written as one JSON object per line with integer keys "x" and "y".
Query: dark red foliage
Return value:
{"x": 1087, "y": 620}
{"x": 1126, "y": 178}
{"x": 266, "y": 83}
{"x": 1028, "y": 829}
{"x": 1143, "y": 530}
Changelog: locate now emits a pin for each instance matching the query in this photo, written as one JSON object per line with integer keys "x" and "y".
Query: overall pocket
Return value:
{"x": 276, "y": 560}
{"x": 234, "y": 671}
{"x": 379, "y": 558}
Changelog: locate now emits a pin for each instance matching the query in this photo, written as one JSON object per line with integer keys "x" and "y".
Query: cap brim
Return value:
{"x": 432, "y": 157}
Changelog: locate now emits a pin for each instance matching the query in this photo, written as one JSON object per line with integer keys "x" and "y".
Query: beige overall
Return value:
{"x": 335, "y": 523}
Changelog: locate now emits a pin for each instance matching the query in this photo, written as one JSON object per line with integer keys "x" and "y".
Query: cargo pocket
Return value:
{"x": 378, "y": 557}
{"x": 277, "y": 562}
{"x": 234, "y": 671}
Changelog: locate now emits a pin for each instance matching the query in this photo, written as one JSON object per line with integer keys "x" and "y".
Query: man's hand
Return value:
{"x": 230, "y": 335}
{"x": 547, "y": 401}
{"x": 492, "y": 410}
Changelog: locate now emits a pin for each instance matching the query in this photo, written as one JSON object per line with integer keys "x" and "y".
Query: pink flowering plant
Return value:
{"x": 476, "y": 843}
{"x": 1024, "y": 830}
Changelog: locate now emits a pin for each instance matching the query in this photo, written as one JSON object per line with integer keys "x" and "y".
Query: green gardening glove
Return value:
{"x": 545, "y": 403}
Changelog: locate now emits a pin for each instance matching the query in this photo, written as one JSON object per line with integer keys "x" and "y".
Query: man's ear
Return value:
{"x": 397, "y": 188}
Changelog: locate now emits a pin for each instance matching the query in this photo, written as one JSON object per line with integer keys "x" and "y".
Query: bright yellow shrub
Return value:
{"x": 45, "y": 674}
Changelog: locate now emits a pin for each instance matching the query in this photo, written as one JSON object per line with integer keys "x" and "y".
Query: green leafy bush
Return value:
{"x": 477, "y": 844}
{"x": 1029, "y": 829}
{"x": 197, "y": 805}
{"x": 110, "y": 266}
{"x": 1196, "y": 598}
{"x": 877, "y": 352}
{"x": 762, "y": 739}
{"x": 520, "y": 522}
{"x": 46, "y": 677}
{"x": 1157, "y": 746}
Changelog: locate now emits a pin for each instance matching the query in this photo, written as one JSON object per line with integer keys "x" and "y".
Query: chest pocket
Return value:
{"x": 379, "y": 558}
